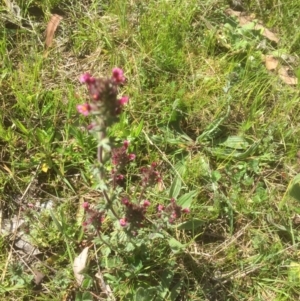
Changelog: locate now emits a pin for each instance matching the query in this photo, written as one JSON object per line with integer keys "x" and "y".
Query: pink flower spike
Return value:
{"x": 118, "y": 75}
{"x": 131, "y": 157}
{"x": 126, "y": 144}
{"x": 186, "y": 210}
{"x": 123, "y": 222}
{"x": 146, "y": 203}
{"x": 86, "y": 205}
{"x": 120, "y": 177}
{"x": 84, "y": 78}
{"x": 84, "y": 109}
{"x": 125, "y": 201}
{"x": 123, "y": 100}
{"x": 160, "y": 208}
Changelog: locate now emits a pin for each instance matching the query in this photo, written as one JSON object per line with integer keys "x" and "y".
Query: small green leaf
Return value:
{"x": 180, "y": 167}
{"x": 186, "y": 200}
{"x": 148, "y": 293}
{"x": 227, "y": 153}
{"x": 20, "y": 126}
{"x": 57, "y": 223}
{"x": 176, "y": 291}
{"x": 86, "y": 296}
{"x": 204, "y": 166}
{"x": 212, "y": 128}
{"x": 175, "y": 245}
{"x": 141, "y": 295}
{"x": 215, "y": 176}
{"x": 294, "y": 190}
{"x": 175, "y": 188}
{"x": 166, "y": 279}
{"x": 190, "y": 225}
{"x": 78, "y": 296}
{"x": 298, "y": 75}
{"x": 294, "y": 272}
{"x": 156, "y": 235}
{"x": 136, "y": 131}
{"x": 235, "y": 142}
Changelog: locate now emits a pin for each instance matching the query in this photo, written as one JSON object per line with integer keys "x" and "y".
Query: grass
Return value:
{"x": 202, "y": 104}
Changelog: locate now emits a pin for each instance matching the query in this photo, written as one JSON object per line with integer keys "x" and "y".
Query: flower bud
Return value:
{"x": 86, "y": 205}
{"x": 123, "y": 222}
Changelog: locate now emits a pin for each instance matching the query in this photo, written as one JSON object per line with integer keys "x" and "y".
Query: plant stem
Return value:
{"x": 109, "y": 202}
{"x": 100, "y": 237}
{"x": 101, "y": 175}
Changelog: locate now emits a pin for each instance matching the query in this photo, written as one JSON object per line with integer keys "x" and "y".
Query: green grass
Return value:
{"x": 210, "y": 112}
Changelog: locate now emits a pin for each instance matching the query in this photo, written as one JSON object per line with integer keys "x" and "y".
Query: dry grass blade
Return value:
{"x": 51, "y": 28}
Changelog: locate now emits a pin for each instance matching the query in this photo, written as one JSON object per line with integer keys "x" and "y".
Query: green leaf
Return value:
{"x": 180, "y": 167}
{"x": 190, "y": 225}
{"x": 175, "y": 245}
{"x": 136, "y": 131}
{"x": 112, "y": 278}
{"x": 235, "y": 142}
{"x": 298, "y": 75}
{"x": 215, "y": 176}
{"x": 294, "y": 190}
{"x": 175, "y": 188}
{"x": 86, "y": 296}
{"x": 176, "y": 291}
{"x": 41, "y": 135}
{"x": 294, "y": 272}
{"x": 166, "y": 280}
{"x": 213, "y": 127}
{"x": 20, "y": 126}
{"x": 144, "y": 294}
{"x": 186, "y": 200}
{"x": 78, "y": 296}
{"x": 225, "y": 152}
{"x": 156, "y": 235}
{"x": 57, "y": 223}
{"x": 204, "y": 167}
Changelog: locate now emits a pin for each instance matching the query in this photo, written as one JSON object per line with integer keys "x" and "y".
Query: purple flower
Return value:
{"x": 150, "y": 175}
{"x": 123, "y": 222}
{"x": 131, "y": 157}
{"x": 160, "y": 208}
{"x": 186, "y": 210}
{"x": 86, "y": 205}
{"x": 84, "y": 109}
{"x": 146, "y": 203}
{"x": 123, "y": 100}
{"x": 125, "y": 201}
{"x": 118, "y": 75}
{"x": 86, "y": 78}
{"x": 120, "y": 177}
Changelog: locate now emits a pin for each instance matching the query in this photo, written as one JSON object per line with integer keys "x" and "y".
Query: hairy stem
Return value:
{"x": 101, "y": 175}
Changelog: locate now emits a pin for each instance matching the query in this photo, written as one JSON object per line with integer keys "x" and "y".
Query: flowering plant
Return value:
{"x": 105, "y": 106}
